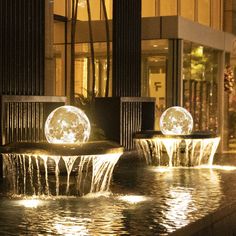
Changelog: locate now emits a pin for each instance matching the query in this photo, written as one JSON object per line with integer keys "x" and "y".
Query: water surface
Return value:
{"x": 142, "y": 201}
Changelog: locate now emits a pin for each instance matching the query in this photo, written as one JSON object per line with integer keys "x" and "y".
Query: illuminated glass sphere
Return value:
{"x": 68, "y": 125}
{"x": 176, "y": 121}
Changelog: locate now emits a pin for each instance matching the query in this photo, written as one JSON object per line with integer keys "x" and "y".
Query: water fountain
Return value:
{"x": 176, "y": 144}
{"x": 147, "y": 199}
{"x": 67, "y": 164}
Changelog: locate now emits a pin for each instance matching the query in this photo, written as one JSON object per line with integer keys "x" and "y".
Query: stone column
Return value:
{"x": 126, "y": 48}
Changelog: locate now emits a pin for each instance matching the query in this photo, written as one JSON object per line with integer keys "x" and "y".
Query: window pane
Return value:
{"x": 200, "y": 73}
{"x": 217, "y": 16}
{"x": 148, "y": 8}
{"x": 231, "y": 129}
{"x": 59, "y": 62}
{"x": 187, "y": 9}
{"x": 59, "y": 58}
{"x": 59, "y": 7}
{"x": 168, "y": 7}
{"x": 83, "y": 68}
{"x": 204, "y": 12}
{"x": 154, "y": 58}
{"x": 109, "y": 8}
{"x": 94, "y": 7}
{"x": 81, "y": 76}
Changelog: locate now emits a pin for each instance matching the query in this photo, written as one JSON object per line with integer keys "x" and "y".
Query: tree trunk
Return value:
{"x": 72, "y": 69}
{"x": 108, "y": 47}
{"x": 92, "y": 50}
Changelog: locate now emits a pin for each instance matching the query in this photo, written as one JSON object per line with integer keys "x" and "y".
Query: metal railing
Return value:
{"x": 23, "y": 117}
{"x": 121, "y": 117}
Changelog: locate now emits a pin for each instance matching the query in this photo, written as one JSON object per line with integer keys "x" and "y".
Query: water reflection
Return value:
{"x": 71, "y": 226}
{"x": 180, "y": 204}
{"x": 188, "y": 201}
{"x": 155, "y": 201}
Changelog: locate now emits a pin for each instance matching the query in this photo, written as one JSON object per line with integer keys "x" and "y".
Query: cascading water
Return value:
{"x": 176, "y": 144}
{"x": 30, "y": 173}
{"x": 186, "y": 150}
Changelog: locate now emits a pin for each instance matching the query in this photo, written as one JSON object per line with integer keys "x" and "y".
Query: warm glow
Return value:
{"x": 162, "y": 169}
{"x": 30, "y": 203}
{"x": 181, "y": 202}
{"x": 133, "y": 199}
{"x": 82, "y": 3}
{"x": 218, "y": 167}
{"x": 69, "y": 226}
{"x": 68, "y": 125}
{"x": 176, "y": 121}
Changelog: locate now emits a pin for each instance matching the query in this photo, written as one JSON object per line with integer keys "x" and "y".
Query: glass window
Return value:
{"x": 148, "y": 8}
{"x": 217, "y": 16}
{"x": 83, "y": 70}
{"x": 200, "y": 73}
{"x": 203, "y": 9}
{"x": 168, "y": 7}
{"x": 59, "y": 58}
{"x": 95, "y": 8}
{"x": 231, "y": 129}
{"x": 154, "y": 59}
{"x": 230, "y": 109}
{"x": 81, "y": 76}
{"x": 59, "y": 7}
{"x": 109, "y": 8}
{"x": 187, "y": 9}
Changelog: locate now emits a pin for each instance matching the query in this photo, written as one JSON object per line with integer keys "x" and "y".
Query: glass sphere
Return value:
{"x": 176, "y": 121}
{"x": 68, "y": 125}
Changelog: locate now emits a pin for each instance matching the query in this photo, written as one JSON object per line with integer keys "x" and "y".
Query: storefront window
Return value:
{"x": 83, "y": 70}
{"x": 59, "y": 60}
{"x": 230, "y": 108}
{"x": 96, "y": 10}
{"x": 154, "y": 60}
{"x": 200, "y": 73}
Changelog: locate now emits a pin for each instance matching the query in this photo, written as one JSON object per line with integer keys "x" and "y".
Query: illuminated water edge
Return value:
{"x": 186, "y": 150}
{"x": 31, "y": 174}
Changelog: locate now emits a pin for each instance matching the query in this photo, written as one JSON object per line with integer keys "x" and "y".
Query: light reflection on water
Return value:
{"x": 144, "y": 201}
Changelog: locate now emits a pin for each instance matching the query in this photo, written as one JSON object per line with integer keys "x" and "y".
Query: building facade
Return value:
{"x": 186, "y": 46}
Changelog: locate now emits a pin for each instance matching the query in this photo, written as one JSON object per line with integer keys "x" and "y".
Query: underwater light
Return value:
{"x": 67, "y": 125}
{"x": 133, "y": 199}
{"x": 30, "y": 203}
{"x": 176, "y": 121}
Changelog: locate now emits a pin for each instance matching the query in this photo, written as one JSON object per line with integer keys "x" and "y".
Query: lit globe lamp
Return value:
{"x": 176, "y": 121}
{"x": 67, "y": 125}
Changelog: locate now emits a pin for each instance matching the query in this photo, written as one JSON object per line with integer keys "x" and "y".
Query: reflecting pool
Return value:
{"x": 143, "y": 200}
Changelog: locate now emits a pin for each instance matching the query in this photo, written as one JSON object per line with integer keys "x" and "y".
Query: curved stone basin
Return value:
{"x": 55, "y": 169}
{"x": 89, "y": 148}
{"x": 197, "y": 148}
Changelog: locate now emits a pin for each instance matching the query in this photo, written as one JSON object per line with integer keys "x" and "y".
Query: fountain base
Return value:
{"x": 53, "y": 169}
{"x": 177, "y": 150}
